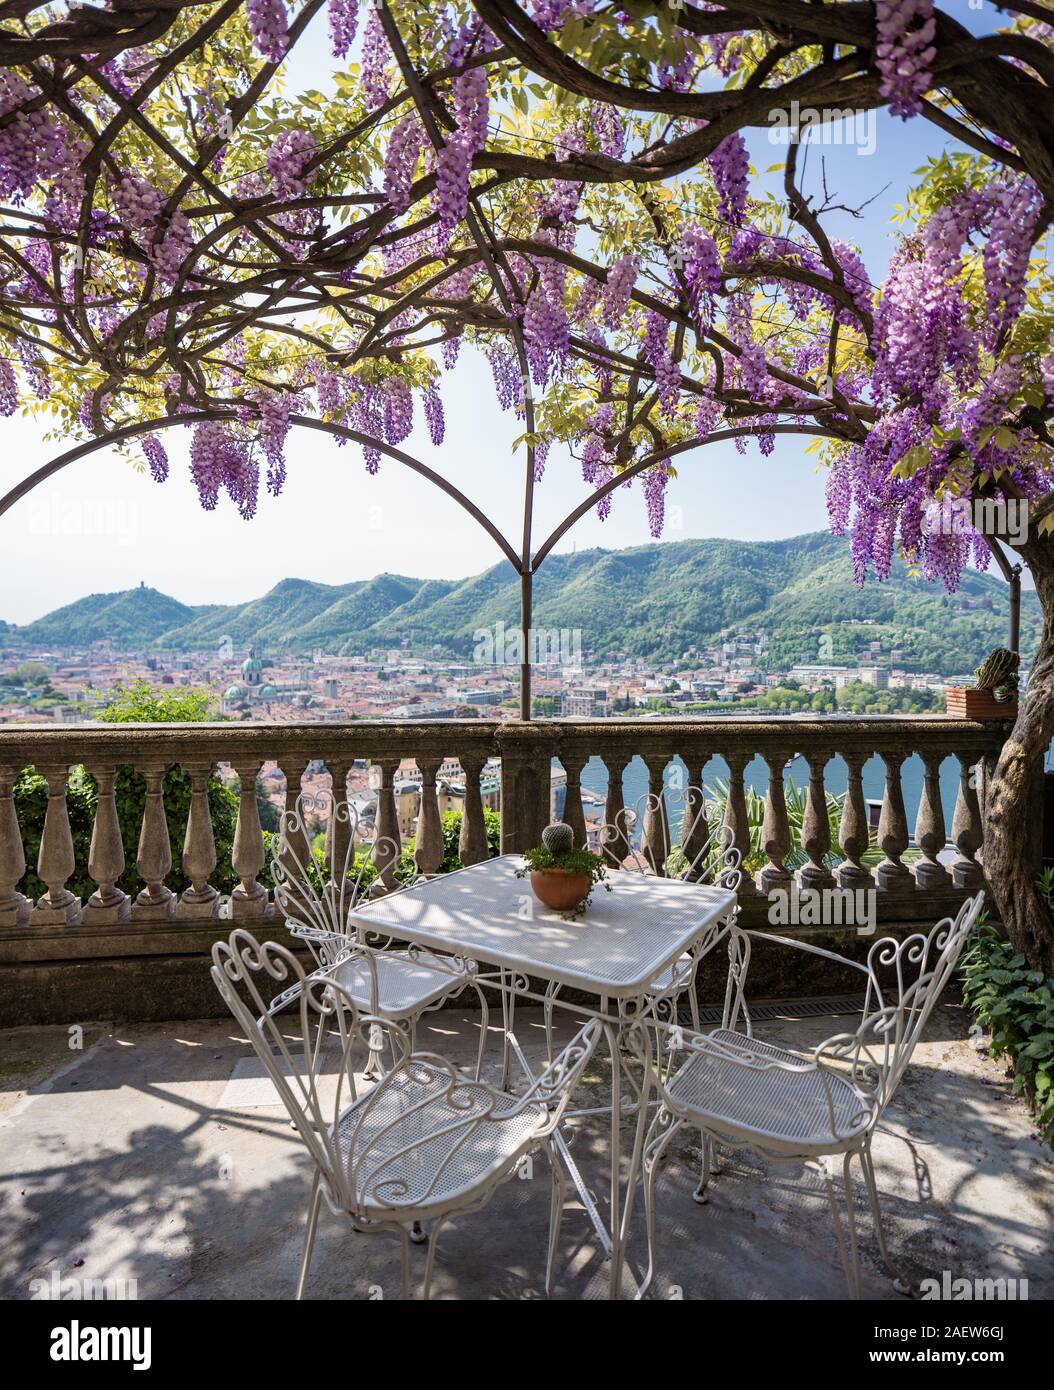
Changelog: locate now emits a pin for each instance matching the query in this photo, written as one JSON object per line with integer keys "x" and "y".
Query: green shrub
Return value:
{"x": 31, "y": 801}
{"x": 451, "y": 835}
{"x": 1015, "y": 1005}
{"x": 125, "y": 705}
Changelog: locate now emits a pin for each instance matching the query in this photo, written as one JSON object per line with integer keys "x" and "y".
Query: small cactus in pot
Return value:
{"x": 558, "y": 838}
{"x": 999, "y": 674}
{"x": 562, "y": 877}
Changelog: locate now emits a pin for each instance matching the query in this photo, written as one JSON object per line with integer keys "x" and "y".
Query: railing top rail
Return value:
{"x": 711, "y": 734}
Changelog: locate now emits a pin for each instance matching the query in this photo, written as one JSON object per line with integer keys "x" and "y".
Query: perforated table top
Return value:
{"x": 486, "y": 913}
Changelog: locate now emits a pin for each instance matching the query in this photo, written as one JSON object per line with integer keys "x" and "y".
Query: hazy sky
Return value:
{"x": 100, "y": 526}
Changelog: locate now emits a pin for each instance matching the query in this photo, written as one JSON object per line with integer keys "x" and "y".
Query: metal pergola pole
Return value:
{"x": 1012, "y": 574}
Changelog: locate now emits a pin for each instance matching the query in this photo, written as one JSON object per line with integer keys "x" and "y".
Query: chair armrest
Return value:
{"x": 305, "y": 933}
{"x": 805, "y": 946}
{"x": 553, "y": 1085}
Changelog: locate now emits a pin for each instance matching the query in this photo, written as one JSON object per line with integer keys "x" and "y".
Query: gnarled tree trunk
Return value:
{"x": 1013, "y": 804}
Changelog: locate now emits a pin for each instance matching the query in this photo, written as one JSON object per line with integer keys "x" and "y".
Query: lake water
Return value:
{"x": 635, "y": 781}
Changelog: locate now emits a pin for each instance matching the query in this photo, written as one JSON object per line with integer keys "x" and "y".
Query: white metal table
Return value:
{"x": 619, "y": 952}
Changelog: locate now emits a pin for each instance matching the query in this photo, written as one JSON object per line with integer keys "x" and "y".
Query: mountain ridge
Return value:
{"x": 653, "y": 601}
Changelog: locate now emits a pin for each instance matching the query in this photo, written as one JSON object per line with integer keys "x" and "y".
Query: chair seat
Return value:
{"x": 664, "y": 979}
{"x": 405, "y": 984}
{"x": 460, "y": 1139}
{"x": 782, "y": 1110}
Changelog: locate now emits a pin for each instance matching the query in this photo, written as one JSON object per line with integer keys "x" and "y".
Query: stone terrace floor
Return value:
{"x": 126, "y": 1156}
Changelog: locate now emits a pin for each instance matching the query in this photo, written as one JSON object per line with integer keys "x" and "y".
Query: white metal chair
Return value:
{"x": 423, "y": 1142}
{"x": 398, "y": 984}
{"x": 743, "y": 1093}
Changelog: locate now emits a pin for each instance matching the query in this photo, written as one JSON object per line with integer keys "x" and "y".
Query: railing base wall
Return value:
{"x": 145, "y": 984}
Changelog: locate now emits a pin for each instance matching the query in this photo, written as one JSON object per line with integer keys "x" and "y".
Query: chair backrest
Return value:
{"x": 315, "y": 1044}
{"x": 314, "y": 900}
{"x": 313, "y": 1040}
{"x": 905, "y": 980}
{"x": 639, "y": 839}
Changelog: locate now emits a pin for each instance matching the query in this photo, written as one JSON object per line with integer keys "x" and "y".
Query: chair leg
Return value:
{"x": 901, "y": 1284}
{"x": 404, "y": 1264}
{"x": 508, "y": 1016}
{"x": 655, "y": 1146}
{"x": 848, "y": 1246}
{"x": 484, "y": 1024}
{"x": 433, "y": 1245}
{"x": 309, "y": 1235}
{"x": 556, "y": 1215}
{"x": 693, "y": 1004}
{"x": 707, "y": 1170}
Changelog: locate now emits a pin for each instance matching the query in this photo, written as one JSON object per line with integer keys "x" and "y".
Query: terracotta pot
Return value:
{"x": 966, "y": 703}
{"x": 559, "y": 888}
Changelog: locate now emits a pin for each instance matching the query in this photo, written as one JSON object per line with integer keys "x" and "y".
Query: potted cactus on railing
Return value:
{"x": 562, "y": 877}
{"x": 994, "y": 693}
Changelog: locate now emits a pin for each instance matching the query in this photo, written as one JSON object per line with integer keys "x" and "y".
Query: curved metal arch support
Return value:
{"x": 524, "y": 567}
{"x": 118, "y": 436}
{"x": 736, "y": 432}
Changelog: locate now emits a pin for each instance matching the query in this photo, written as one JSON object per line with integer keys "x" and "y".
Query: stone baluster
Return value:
{"x": 775, "y": 877}
{"x": 656, "y": 844}
{"x": 967, "y": 831}
{"x": 472, "y": 844}
{"x": 893, "y": 837}
{"x": 816, "y": 828}
{"x": 108, "y": 904}
{"x": 574, "y": 815}
{"x": 199, "y": 847}
{"x": 339, "y": 847}
{"x": 249, "y": 898}
{"x": 853, "y": 832}
{"x": 155, "y": 902}
{"x": 428, "y": 839}
{"x": 387, "y": 843}
{"x": 930, "y": 834}
{"x": 294, "y": 848}
{"x": 14, "y": 906}
{"x": 614, "y": 843}
{"x": 56, "y": 860}
{"x": 736, "y": 817}
{"x": 695, "y": 828}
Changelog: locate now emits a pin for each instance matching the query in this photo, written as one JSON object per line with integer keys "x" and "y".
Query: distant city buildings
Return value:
{"x": 398, "y": 683}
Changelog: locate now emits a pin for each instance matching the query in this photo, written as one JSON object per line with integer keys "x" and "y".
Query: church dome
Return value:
{"x": 234, "y": 692}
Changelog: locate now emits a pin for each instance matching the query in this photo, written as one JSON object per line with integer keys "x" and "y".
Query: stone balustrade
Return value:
{"x": 107, "y": 925}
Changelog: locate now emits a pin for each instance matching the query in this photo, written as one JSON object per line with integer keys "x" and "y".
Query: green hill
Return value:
{"x": 653, "y": 601}
{"x": 133, "y": 617}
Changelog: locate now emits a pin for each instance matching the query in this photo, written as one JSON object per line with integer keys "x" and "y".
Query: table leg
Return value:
{"x": 644, "y": 1101}
{"x": 615, "y": 1286}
